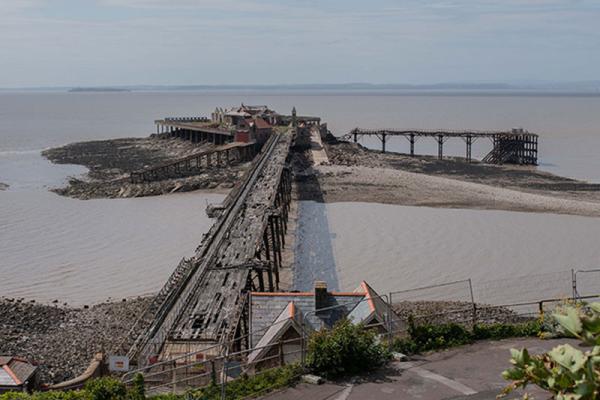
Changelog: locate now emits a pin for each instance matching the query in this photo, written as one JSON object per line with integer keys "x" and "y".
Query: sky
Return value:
{"x": 186, "y": 42}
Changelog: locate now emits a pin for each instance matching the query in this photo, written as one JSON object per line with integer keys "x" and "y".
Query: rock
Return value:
{"x": 312, "y": 379}
{"x": 399, "y": 356}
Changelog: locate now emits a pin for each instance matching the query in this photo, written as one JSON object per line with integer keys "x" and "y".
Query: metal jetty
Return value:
{"x": 516, "y": 146}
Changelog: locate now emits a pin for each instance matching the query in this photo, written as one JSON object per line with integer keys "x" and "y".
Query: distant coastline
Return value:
{"x": 582, "y": 88}
{"x": 98, "y": 90}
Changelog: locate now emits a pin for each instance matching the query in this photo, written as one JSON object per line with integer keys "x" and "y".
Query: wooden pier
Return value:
{"x": 194, "y": 129}
{"x": 517, "y": 146}
{"x": 204, "y": 306}
{"x": 194, "y": 164}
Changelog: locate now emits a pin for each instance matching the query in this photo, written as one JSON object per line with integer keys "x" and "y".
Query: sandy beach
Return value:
{"x": 355, "y": 173}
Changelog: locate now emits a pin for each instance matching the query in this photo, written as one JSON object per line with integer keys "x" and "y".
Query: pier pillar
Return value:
{"x": 355, "y": 137}
{"x": 276, "y": 254}
{"x": 268, "y": 257}
{"x": 469, "y": 141}
{"x": 412, "y": 144}
{"x": 383, "y": 137}
{"x": 440, "y": 140}
{"x": 157, "y": 129}
{"x": 261, "y": 280}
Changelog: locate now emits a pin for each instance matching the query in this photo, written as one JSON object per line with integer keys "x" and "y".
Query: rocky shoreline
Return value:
{"x": 111, "y": 161}
{"x": 61, "y": 339}
{"x": 460, "y": 312}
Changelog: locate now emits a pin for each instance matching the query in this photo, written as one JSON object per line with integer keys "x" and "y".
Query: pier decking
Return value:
{"x": 517, "y": 146}
{"x": 204, "y": 306}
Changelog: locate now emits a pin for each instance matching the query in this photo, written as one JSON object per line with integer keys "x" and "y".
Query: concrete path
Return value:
{"x": 316, "y": 147}
{"x": 470, "y": 372}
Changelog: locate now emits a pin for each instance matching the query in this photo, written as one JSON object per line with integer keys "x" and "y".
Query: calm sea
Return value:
{"x": 87, "y": 251}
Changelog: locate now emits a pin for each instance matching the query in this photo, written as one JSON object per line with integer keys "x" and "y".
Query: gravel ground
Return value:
{"x": 63, "y": 340}
{"x": 442, "y": 312}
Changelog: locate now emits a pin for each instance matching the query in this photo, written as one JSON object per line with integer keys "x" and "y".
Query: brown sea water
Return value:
{"x": 85, "y": 251}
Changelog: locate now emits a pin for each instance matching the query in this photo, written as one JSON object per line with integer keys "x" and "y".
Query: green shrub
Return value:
{"x": 105, "y": 389}
{"x": 345, "y": 349}
{"x": 69, "y": 395}
{"x": 137, "y": 390}
{"x": 503, "y": 331}
{"x": 432, "y": 337}
{"x": 245, "y": 386}
{"x": 436, "y": 337}
{"x": 566, "y": 372}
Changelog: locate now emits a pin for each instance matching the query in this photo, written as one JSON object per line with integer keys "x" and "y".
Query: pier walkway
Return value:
{"x": 203, "y": 306}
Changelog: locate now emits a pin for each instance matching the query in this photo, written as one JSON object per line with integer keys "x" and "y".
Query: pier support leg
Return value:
{"x": 440, "y": 140}
{"x": 276, "y": 260}
{"x": 469, "y": 145}
{"x": 412, "y": 145}
{"x": 383, "y": 137}
{"x": 261, "y": 280}
{"x": 355, "y": 138}
{"x": 268, "y": 256}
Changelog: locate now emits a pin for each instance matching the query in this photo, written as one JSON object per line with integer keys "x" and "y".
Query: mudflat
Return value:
{"x": 111, "y": 161}
{"x": 355, "y": 173}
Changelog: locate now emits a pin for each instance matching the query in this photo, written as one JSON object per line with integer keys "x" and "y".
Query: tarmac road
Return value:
{"x": 470, "y": 372}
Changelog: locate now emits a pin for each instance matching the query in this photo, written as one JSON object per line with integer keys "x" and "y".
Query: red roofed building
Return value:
{"x": 261, "y": 129}
{"x": 17, "y": 375}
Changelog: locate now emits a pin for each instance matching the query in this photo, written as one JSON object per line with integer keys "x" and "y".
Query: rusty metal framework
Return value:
{"x": 516, "y": 146}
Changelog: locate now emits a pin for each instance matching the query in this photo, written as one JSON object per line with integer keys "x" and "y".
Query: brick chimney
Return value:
{"x": 321, "y": 296}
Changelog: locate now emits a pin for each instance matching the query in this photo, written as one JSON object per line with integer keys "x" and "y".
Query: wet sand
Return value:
{"x": 355, "y": 173}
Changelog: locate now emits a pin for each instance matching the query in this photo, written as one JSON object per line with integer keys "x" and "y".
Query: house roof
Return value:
{"x": 267, "y": 307}
{"x": 363, "y": 305}
{"x": 289, "y": 318}
{"x": 15, "y": 371}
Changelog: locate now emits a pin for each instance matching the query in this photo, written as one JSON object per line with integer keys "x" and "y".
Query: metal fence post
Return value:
{"x": 174, "y": 377}
{"x": 224, "y": 378}
{"x": 390, "y": 322}
{"x": 574, "y": 283}
{"x": 281, "y": 356}
{"x": 473, "y": 303}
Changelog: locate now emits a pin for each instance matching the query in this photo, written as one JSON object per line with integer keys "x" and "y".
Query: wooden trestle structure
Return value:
{"x": 228, "y": 154}
{"x": 204, "y": 306}
{"x": 517, "y": 146}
